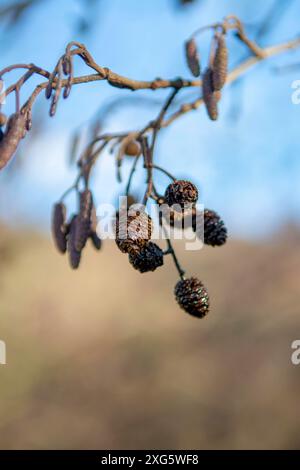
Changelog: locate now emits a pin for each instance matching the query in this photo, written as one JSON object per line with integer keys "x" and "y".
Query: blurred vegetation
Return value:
{"x": 103, "y": 357}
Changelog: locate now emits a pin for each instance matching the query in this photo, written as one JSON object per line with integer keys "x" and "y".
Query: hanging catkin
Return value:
{"x": 74, "y": 254}
{"x": 192, "y": 57}
{"x": 59, "y": 227}
{"x": 220, "y": 63}
{"x": 83, "y": 220}
{"x": 209, "y": 96}
{"x": 14, "y": 132}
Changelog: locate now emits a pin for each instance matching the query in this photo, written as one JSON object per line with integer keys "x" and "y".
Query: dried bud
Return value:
{"x": 209, "y": 96}
{"x": 74, "y": 254}
{"x": 192, "y": 57}
{"x": 181, "y": 192}
{"x": 133, "y": 232}
{"x": 133, "y": 149}
{"x": 147, "y": 259}
{"x": 14, "y": 132}
{"x": 192, "y": 297}
{"x": 3, "y": 119}
{"x": 220, "y": 64}
{"x": 59, "y": 229}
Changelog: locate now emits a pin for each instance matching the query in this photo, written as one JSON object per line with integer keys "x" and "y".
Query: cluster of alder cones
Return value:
{"x": 133, "y": 231}
{"x": 133, "y": 228}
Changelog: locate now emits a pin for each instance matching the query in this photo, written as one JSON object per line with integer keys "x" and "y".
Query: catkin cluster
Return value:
{"x": 214, "y": 77}
{"x": 73, "y": 235}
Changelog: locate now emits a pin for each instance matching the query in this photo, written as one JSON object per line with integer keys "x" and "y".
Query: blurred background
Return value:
{"x": 103, "y": 357}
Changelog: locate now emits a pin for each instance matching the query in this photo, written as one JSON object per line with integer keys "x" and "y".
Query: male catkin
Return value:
{"x": 220, "y": 64}
{"x": 192, "y": 57}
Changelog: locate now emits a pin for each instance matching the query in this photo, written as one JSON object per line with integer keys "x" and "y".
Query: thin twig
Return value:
{"x": 162, "y": 170}
{"x": 171, "y": 251}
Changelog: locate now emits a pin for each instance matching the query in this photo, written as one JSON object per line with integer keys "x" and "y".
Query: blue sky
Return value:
{"x": 247, "y": 168}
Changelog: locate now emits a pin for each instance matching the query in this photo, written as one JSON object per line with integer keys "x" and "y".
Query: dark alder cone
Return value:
{"x": 59, "y": 228}
{"x": 192, "y": 57}
{"x": 181, "y": 192}
{"x": 220, "y": 64}
{"x": 192, "y": 297}
{"x": 74, "y": 254}
{"x": 215, "y": 232}
{"x": 133, "y": 232}
{"x": 209, "y": 96}
{"x": 148, "y": 259}
{"x": 83, "y": 223}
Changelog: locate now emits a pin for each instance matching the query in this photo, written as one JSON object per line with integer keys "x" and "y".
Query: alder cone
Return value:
{"x": 59, "y": 228}
{"x": 192, "y": 297}
{"x": 209, "y": 96}
{"x": 215, "y": 232}
{"x": 181, "y": 192}
{"x": 192, "y": 57}
{"x": 133, "y": 232}
{"x": 74, "y": 254}
{"x": 148, "y": 258}
{"x": 220, "y": 65}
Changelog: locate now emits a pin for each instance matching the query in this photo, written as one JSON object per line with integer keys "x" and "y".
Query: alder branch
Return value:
{"x": 56, "y": 83}
{"x": 237, "y": 72}
{"x": 73, "y": 235}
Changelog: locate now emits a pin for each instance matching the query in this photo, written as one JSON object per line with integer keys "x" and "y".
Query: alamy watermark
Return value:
{"x": 175, "y": 222}
{"x": 2, "y": 352}
{"x": 295, "y": 357}
{"x": 296, "y": 94}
